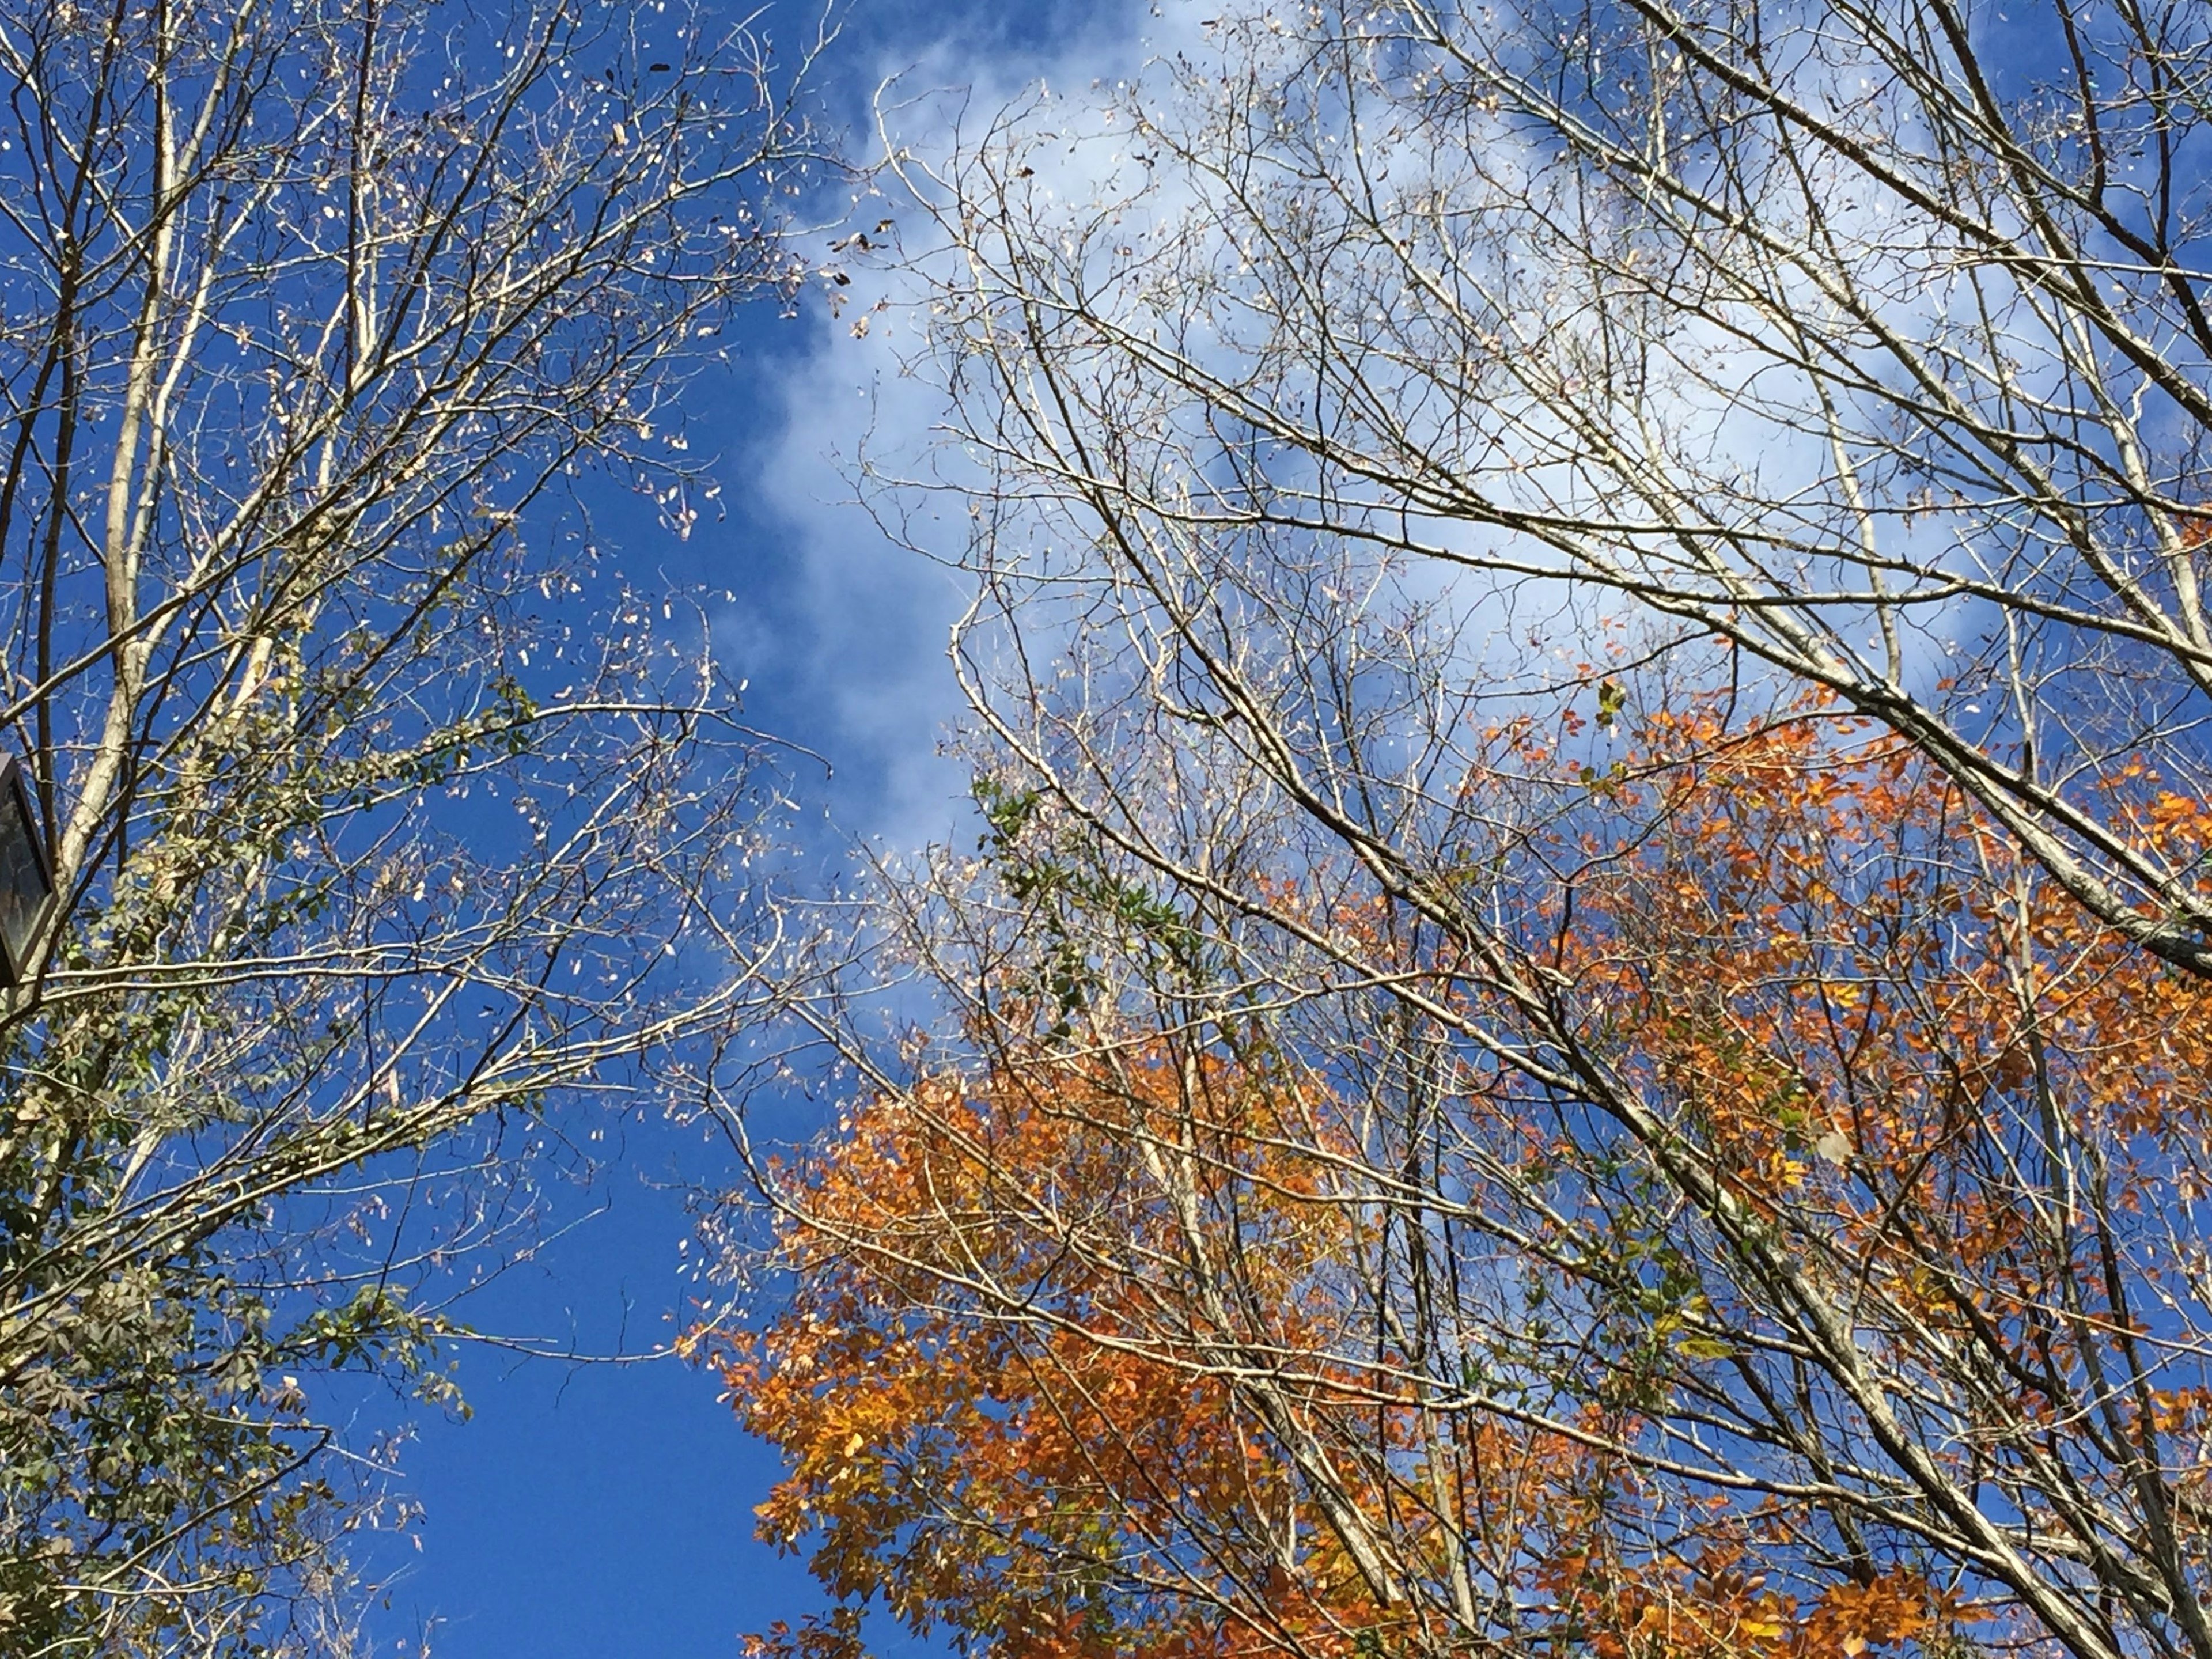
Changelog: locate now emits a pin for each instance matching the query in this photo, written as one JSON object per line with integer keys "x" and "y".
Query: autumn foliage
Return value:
{"x": 1745, "y": 1210}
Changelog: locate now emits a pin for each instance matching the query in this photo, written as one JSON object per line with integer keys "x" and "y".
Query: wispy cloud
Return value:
{"x": 846, "y": 649}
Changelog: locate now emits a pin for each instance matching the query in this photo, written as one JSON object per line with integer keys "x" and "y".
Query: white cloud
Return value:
{"x": 850, "y": 657}
{"x": 860, "y": 644}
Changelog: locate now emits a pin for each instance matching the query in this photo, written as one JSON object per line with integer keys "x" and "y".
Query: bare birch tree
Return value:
{"x": 1588, "y": 672}
{"x": 386, "y": 826}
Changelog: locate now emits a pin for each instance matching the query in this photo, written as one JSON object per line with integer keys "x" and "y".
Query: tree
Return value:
{"x": 1870, "y": 339}
{"x": 387, "y": 825}
{"x": 1578, "y": 1025}
{"x": 1778, "y": 1232}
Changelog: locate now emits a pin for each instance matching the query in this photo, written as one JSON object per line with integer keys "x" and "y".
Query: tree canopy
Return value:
{"x": 1578, "y": 1025}
{"x": 1795, "y": 1247}
{"x": 387, "y": 825}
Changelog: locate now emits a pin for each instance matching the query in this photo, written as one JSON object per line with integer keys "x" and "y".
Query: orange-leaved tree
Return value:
{"x": 1729, "y": 1201}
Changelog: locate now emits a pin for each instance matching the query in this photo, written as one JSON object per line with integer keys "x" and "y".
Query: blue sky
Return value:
{"x": 607, "y": 1509}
